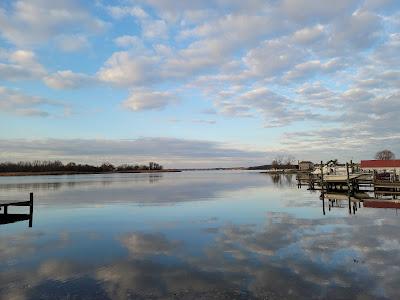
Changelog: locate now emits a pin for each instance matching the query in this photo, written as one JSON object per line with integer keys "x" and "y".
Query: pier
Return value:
{"x": 6, "y": 217}
{"x": 351, "y": 187}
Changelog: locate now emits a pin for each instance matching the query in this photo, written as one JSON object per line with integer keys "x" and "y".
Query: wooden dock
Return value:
{"x": 7, "y": 218}
{"x": 352, "y": 189}
{"x": 352, "y": 182}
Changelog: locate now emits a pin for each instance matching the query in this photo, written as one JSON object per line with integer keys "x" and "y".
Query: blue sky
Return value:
{"x": 198, "y": 83}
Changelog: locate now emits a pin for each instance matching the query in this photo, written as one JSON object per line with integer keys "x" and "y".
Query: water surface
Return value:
{"x": 192, "y": 235}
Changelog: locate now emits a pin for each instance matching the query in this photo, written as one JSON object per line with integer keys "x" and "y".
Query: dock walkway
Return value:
{"x": 7, "y": 218}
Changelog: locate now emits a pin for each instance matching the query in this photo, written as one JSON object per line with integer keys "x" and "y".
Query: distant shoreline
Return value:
{"x": 6, "y": 174}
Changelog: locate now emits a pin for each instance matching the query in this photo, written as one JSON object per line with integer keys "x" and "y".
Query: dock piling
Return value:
{"x": 30, "y": 209}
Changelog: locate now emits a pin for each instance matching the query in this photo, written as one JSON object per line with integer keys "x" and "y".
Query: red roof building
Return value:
{"x": 380, "y": 164}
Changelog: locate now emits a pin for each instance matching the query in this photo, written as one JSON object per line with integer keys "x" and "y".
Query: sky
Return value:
{"x": 200, "y": 83}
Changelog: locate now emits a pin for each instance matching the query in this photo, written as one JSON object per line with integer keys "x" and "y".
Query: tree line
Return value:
{"x": 283, "y": 162}
{"x": 58, "y": 166}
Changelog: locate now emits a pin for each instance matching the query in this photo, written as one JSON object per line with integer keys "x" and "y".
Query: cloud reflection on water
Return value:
{"x": 284, "y": 256}
{"x": 289, "y": 258}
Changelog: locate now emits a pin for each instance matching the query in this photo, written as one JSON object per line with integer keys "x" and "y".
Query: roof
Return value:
{"x": 394, "y": 163}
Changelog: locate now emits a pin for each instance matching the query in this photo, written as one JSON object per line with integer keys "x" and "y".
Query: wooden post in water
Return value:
{"x": 348, "y": 178}
{"x": 30, "y": 209}
{"x": 322, "y": 175}
{"x": 348, "y": 186}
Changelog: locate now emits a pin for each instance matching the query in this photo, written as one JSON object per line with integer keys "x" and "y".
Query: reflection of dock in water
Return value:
{"x": 7, "y": 218}
{"x": 353, "y": 201}
{"x": 342, "y": 200}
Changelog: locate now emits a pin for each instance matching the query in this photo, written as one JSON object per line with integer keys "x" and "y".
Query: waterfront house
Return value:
{"x": 381, "y": 166}
{"x": 306, "y": 166}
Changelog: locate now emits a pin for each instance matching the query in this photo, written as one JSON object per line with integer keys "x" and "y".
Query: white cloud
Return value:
{"x": 278, "y": 62}
{"x": 148, "y": 100}
{"x": 381, "y": 4}
{"x": 309, "y": 69}
{"x": 170, "y": 152}
{"x": 125, "y": 69}
{"x": 151, "y": 28}
{"x": 16, "y": 102}
{"x": 127, "y": 41}
{"x": 68, "y": 80}
{"x": 275, "y": 109}
{"x": 20, "y": 65}
{"x": 308, "y": 34}
{"x": 72, "y": 43}
{"x": 360, "y": 31}
{"x": 123, "y": 11}
{"x": 36, "y": 21}
{"x": 273, "y": 57}
{"x": 316, "y": 94}
{"x": 316, "y": 11}
{"x": 387, "y": 54}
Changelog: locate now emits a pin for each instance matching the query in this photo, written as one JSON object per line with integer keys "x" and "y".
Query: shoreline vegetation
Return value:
{"x": 58, "y": 168}
{"x": 280, "y": 165}
{"x": 3, "y": 174}
{"x": 43, "y": 168}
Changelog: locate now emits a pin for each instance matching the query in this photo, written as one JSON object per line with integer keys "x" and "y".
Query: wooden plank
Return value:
{"x": 15, "y": 203}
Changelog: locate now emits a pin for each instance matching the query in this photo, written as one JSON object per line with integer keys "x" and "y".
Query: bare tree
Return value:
{"x": 290, "y": 160}
{"x": 385, "y": 155}
{"x": 277, "y": 161}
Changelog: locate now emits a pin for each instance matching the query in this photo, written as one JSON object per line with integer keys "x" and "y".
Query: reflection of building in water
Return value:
{"x": 6, "y": 217}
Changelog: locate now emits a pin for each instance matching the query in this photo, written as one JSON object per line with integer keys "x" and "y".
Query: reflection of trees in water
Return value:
{"x": 37, "y": 186}
{"x": 156, "y": 189}
{"x": 276, "y": 179}
{"x": 153, "y": 178}
{"x": 282, "y": 179}
{"x": 289, "y": 179}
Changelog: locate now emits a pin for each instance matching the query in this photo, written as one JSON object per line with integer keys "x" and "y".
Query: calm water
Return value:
{"x": 193, "y": 235}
